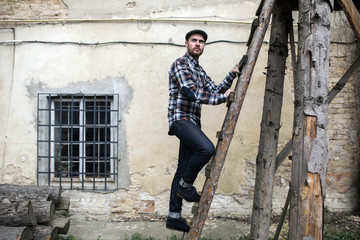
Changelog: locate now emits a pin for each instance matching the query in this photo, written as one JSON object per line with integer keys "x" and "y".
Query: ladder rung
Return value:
{"x": 242, "y": 62}
{"x": 208, "y": 169}
{"x": 254, "y": 25}
{"x": 220, "y": 135}
{"x": 195, "y": 208}
{"x": 230, "y": 99}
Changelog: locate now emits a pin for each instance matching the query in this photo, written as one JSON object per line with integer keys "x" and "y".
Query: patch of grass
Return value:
{"x": 138, "y": 236}
{"x": 329, "y": 234}
{"x": 242, "y": 238}
{"x": 248, "y": 238}
{"x": 70, "y": 237}
{"x": 173, "y": 237}
{"x": 340, "y": 234}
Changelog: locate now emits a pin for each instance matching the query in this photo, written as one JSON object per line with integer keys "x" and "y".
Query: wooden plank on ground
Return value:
{"x": 64, "y": 204}
{"x": 62, "y": 225}
{"x": 17, "y": 214}
{"x": 44, "y": 211}
{"x": 32, "y": 191}
{"x": 44, "y": 232}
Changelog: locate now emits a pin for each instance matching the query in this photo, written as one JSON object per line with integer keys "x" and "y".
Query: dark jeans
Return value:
{"x": 195, "y": 151}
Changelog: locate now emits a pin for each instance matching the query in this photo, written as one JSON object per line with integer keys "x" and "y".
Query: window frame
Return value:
{"x": 108, "y": 174}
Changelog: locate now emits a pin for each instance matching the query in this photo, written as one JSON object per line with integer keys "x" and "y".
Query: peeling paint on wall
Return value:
{"x": 13, "y": 175}
{"x": 109, "y": 85}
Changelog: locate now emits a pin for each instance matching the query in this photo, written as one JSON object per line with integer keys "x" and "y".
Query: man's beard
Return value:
{"x": 196, "y": 53}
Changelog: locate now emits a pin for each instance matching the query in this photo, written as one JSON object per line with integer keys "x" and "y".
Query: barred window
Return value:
{"x": 78, "y": 141}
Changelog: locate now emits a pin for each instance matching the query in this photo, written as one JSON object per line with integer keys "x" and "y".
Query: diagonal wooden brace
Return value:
{"x": 352, "y": 14}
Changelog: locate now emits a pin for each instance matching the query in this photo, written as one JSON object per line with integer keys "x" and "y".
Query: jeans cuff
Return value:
{"x": 184, "y": 184}
{"x": 174, "y": 214}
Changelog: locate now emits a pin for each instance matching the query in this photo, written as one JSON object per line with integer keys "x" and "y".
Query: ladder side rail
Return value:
{"x": 230, "y": 122}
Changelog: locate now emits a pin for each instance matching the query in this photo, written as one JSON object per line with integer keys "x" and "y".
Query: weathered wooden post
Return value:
{"x": 270, "y": 124}
{"x": 310, "y": 139}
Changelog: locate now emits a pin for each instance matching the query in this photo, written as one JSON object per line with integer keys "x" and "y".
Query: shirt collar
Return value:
{"x": 192, "y": 59}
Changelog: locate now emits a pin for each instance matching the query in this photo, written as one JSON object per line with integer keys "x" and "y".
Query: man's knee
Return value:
{"x": 209, "y": 150}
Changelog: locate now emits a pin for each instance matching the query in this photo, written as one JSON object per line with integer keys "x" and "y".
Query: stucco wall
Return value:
{"x": 139, "y": 74}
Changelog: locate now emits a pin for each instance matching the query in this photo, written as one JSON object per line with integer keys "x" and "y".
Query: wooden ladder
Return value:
{"x": 214, "y": 168}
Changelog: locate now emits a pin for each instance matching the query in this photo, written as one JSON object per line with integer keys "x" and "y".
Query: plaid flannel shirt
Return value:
{"x": 186, "y": 74}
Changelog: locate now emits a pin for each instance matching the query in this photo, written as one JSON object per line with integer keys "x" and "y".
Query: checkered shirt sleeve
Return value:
{"x": 186, "y": 73}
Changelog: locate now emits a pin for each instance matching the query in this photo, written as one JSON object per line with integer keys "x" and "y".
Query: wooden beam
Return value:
{"x": 352, "y": 15}
{"x": 42, "y": 232}
{"x": 310, "y": 139}
{"x": 31, "y": 192}
{"x": 63, "y": 204}
{"x": 17, "y": 214}
{"x": 343, "y": 80}
{"x": 61, "y": 224}
{"x": 270, "y": 124}
{"x": 283, "y": 215}
{"x": 44, "y": 211}
{"x": 312, "y": 206}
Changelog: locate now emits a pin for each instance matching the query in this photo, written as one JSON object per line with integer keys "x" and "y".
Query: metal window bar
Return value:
{"x": 60, "y": 137}
{"x": 94, "y": 142}
{"x": 100, "y": 161}
{"x": 83, "y": 158}
{"x": 105, "y": 159}
{"x": 72, "y": 142}
{"x": 49, "y": 147}
{"x": 72, "y": 169}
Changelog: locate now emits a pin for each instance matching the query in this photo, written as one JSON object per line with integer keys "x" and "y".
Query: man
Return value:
{"x": 189, "y": 88}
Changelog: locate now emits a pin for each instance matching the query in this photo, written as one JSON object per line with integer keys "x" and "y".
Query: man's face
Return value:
{"x": 195, "y": 45}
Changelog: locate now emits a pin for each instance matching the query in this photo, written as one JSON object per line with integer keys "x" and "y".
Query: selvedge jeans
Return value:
{"x": 195, "y": 151}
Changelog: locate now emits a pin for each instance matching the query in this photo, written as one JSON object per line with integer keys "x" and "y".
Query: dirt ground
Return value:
{"x": 334, "y": 222}
{"x": 228, "y": 228}
{"x": 346, "y": 221}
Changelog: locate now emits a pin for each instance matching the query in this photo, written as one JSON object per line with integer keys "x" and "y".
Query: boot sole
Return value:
{"x": 170, "y": 228}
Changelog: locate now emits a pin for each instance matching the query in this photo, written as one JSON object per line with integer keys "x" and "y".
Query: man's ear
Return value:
{"x": 186, "y": 43}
